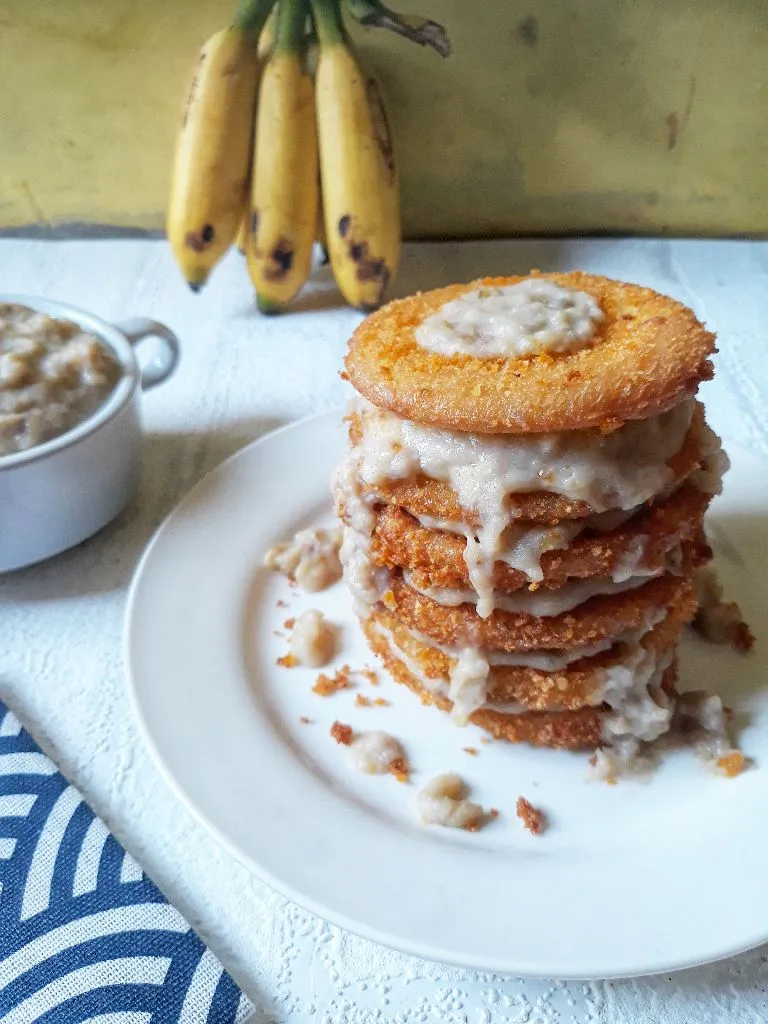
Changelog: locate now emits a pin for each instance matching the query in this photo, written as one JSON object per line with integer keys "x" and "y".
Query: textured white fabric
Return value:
{"x": 242, "y": 374}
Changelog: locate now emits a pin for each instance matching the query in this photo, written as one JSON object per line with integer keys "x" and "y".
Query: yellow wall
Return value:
{"x": 551, "y": 116}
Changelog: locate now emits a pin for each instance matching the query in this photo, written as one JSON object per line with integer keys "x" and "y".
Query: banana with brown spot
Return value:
{"x": 213, "y": 150}
{"x": 284, "y": 198}
{"x": 358, "y": 169}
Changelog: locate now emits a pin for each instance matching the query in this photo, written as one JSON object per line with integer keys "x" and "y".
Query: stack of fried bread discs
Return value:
{"x": 523, "y": 501}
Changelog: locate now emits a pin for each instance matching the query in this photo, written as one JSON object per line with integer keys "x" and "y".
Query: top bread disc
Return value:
{"x": 647, "y": 354}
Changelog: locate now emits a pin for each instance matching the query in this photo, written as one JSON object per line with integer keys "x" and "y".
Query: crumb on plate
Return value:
{"x": 730, "y": 765}
{"x": 342, "y": 733}
{"x": 327, "y": 685}
{"x": 400, "y": 769}
{"x": 532, "y": 818}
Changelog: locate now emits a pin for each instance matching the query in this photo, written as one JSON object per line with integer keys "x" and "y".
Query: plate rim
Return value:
{"x": 326, "y": 913}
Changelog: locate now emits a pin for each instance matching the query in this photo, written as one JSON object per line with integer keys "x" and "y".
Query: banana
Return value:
{"x": 284, "y": 195}
{"x": 267, "y": 37}
{"x": 213, "y": 149}
{"x": 266, "y": 42}
{"x": 358, "y": 170}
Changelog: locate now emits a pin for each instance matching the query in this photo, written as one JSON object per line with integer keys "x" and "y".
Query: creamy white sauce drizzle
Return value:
{"x": 373, "y": 752}
{"x": 706, "y": 714}
{"x": 620, "y": 686}
{"x": 640, "y": 710}
{"x": 311, "y": 558}
{"x": 615, "y": 471}
{"x": 468, "y": 683}
{"x": 543, "y": 660}
{"x": 512, "y": 321}
{"x": 366, "y": 581}
{"x": 519, "y": 547}
{"x": 543, "y": 603}
{"x": 443, "y": 801}
{"x": 313, "y": 639}
{"x": 714, "y": 462}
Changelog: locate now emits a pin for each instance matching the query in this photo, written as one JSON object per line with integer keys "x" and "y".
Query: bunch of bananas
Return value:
{"x": 261, "y": 135}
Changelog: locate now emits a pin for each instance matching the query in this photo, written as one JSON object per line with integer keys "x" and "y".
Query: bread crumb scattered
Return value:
{"x": 287, "y": 661}
{"x": 470, "y": 750}
{"x": 327, "y": 685}
{"x": 381, "y": 703}
{"x": 400, "y": 769}
{"x": 342, "y": 733}
{"x": 369, "y": 675}
{"x": 282, "y": 604}
{"x": 485, "y": 740}
{"x": 305, "y": 721}
{"x": 361, "y": 701}
{"x": 730, "y": 765}
{"x": 532, "y": 818}
{"x": 289, "y": 623}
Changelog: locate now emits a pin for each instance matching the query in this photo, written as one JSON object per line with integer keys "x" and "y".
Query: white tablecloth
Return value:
{"x": 241, "y": 375}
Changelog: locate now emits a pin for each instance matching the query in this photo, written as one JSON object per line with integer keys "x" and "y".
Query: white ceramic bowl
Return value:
{"x": 61, "y": 492}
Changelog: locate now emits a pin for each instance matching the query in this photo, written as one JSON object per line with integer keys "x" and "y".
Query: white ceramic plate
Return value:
{"x": 642, "y": 877}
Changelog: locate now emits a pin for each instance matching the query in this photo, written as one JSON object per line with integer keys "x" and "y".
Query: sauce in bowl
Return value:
{"x": 53, "y": 375}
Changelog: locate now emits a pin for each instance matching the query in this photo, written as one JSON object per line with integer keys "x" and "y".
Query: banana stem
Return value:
{"x": 267, "y": 34}
{"x": 291, "y": 19}
{"x": 419, "y": 30}
{"x": 251, "y": 15}
{"x": 328, "y": 24}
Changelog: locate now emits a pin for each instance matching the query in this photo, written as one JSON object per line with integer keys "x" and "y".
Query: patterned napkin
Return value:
{"x": 84, "y": 934}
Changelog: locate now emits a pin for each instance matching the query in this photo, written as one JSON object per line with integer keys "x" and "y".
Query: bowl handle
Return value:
{"x": 166, "y": 358}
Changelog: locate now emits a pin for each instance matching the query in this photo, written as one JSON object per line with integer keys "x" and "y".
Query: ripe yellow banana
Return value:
{"x": 266, "y": 42}
{"x": 358, "y": 170}
{"x": 284, "y": 194}
{"x": 213, "y": 150}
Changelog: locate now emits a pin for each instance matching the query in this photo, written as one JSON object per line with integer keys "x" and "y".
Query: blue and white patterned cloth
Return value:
{"x": 84, "y": 934}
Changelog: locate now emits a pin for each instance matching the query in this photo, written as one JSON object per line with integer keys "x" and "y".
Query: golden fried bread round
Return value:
{"x": 436, "y": 558}
{"x": 598, "y": 619}
{"x": 562, "y": 730}
{"x": 422, "y": 496}
{"x": 568, "y": 689}
{"x": 648, "y": 353}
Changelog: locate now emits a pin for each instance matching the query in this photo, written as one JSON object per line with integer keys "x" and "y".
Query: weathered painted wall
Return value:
{"x": 551, "y": 116}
